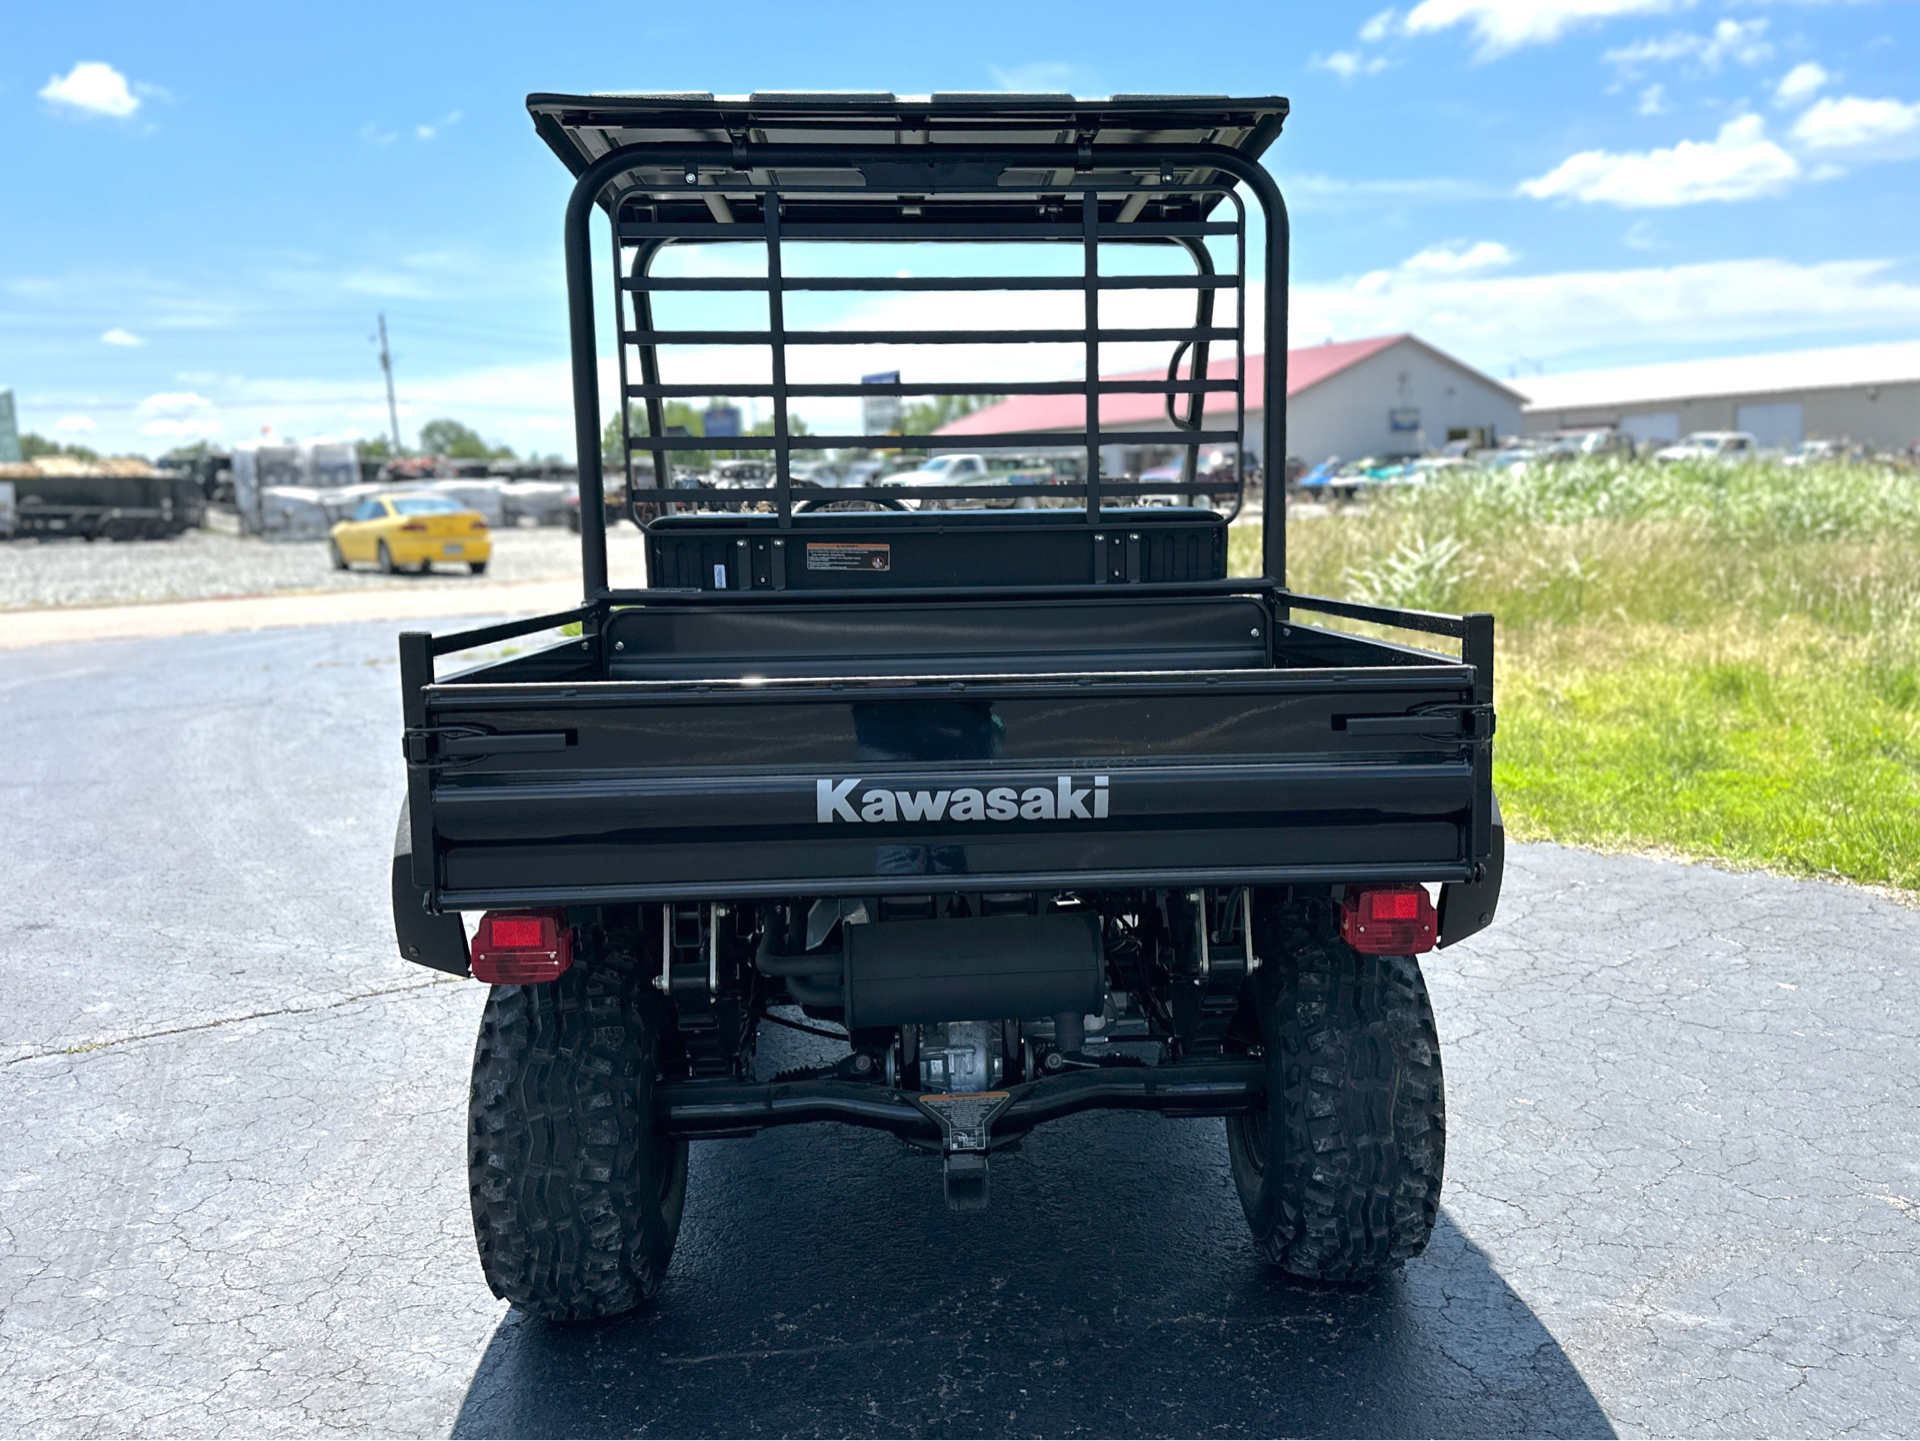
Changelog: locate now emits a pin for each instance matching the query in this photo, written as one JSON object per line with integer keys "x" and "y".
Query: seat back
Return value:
{"x": 890, "y": 550}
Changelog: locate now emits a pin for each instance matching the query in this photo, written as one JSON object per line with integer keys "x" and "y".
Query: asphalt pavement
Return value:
{"x": 1682, "y": 1195}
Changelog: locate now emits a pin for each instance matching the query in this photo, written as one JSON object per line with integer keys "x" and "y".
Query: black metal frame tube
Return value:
{"x": 1196, "y": 399}
{"x": 593, "y": 180}
{"x": 649, "y": 377}
{"x": 693, "y": 1109}
{"x": 1090, "y": 276}
{"x": 586, "y": 368}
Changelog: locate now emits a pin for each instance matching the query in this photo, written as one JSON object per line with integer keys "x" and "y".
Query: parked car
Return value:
{"x": 411, "y": 530}
{"x": 1513, "y": 450}
{"x": 818, "y": 474}
{"x": 1597, "y": 443}
{"x": 744, "y": 474}
{"x": 1311, "y": 482}
{"x": 943, "y": 470}
{"x": 1420, "y": 471}
{"x": 1732, "y": 446}
{"x": 1817, "y": 452}
{"x": 1358, "y": 476}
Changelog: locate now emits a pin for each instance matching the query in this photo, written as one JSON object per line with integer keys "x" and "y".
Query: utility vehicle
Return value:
{"x": 1031, "y": 812}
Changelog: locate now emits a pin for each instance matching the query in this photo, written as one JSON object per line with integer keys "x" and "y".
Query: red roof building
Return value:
{"x": 1389, "y": 393}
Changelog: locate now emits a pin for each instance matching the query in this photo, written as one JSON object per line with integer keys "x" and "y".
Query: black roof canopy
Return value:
{"x": 582, "y": 128}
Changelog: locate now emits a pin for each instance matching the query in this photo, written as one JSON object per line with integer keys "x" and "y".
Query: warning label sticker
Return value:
{"x": 849, "y": 555}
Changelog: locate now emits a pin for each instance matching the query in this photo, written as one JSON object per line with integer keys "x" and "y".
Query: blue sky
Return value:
{"x": 208, "y": 204}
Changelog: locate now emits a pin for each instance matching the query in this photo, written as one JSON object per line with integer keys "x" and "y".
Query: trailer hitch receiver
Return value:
{"x": 966, "y": 1124}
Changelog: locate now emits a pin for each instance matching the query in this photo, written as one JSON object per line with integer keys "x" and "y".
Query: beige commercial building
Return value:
{"x": 1866, "y": 394}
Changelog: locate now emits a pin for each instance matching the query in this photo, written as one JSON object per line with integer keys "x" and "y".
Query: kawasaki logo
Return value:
{"x": 837, "y": 801}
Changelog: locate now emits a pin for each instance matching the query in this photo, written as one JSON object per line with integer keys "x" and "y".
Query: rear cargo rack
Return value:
{"x": 777, "y": 171}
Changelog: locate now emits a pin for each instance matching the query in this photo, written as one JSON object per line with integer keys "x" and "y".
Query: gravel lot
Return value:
{"x": 1683, "y": 1171}
{"x": 203, "y": 564}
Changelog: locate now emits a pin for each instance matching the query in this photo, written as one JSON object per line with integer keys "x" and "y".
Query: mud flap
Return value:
{"x": 438, "y": 942}
{"x": 1467, "y": 907}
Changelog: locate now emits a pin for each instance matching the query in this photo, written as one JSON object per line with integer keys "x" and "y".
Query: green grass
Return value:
{"x": 1719, "y": 663}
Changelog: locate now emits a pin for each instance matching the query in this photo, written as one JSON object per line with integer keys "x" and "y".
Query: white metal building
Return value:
{"x": 1866, "y": 394}
{"x": 1386, "y": 395}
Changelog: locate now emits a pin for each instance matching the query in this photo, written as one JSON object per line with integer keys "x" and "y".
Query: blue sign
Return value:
{"x": 1404, "y": 419}
{"x": 723, "y": 421}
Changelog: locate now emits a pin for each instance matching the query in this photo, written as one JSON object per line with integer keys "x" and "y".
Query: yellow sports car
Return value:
{"x": 410, "y": 531}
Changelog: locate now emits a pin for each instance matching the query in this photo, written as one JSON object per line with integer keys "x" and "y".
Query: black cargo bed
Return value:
{"x": 679, "y": 750}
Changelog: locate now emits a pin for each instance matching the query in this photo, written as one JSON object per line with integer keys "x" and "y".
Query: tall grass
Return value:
{"x": 1720, "y": 661}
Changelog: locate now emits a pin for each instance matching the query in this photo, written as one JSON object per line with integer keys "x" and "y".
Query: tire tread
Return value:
{"x": 1356, "y": 1138}
{"x": 575, "y": 1204}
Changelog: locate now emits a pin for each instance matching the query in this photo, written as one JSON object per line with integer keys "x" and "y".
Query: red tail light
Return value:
{"x": 522, "y": 948}
{"x": 476, "y": 524}
{"x": 1388, "y": 921}
{"x": 414, "y": 525}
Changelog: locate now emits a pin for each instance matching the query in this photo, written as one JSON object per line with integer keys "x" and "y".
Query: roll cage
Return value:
{"x": 1000, "y": 169}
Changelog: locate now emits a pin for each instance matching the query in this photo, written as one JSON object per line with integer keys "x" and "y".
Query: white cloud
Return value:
{"x": 177, "y": 413}
{"x": 93, "y": 88}
{"x": 1653, "y": 100}
{"x": 1733, "y": 40}
{"x": 117, "y": 336}
{"x": 372, "y": 134}
{"x": 1850, "y": 122}
{"x": 1491, "y": 317}
{"x": 1378, "y": 28}
{"x": 1740, "y": 163}
{"x": 1502, "y": 26}
{"x": 1459, "y": 258}
{"x": 1800, "y": 82}
{"x": 445, "y": 122}
{"x": 74, "y": 425}
{"x": 1736, "y": 40}
{"x": 1349, "y": 63}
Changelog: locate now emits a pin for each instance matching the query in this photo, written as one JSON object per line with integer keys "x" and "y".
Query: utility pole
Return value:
{"x": 386, "y": 364}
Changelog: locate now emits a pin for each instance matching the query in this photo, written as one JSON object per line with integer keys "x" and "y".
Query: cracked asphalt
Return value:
{"x": 1682, "y": 1197}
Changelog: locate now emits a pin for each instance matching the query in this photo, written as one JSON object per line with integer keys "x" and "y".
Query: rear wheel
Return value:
{"x": 478, "y": 567}
{"x": 1340, "y": 1175}
{"x": 334, "y": 554}
{"x": 576, "y": 1201}
{"x": 384, "y": 559}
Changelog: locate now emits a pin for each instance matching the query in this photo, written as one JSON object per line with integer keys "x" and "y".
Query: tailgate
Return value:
{"x": 634, "y": 791}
